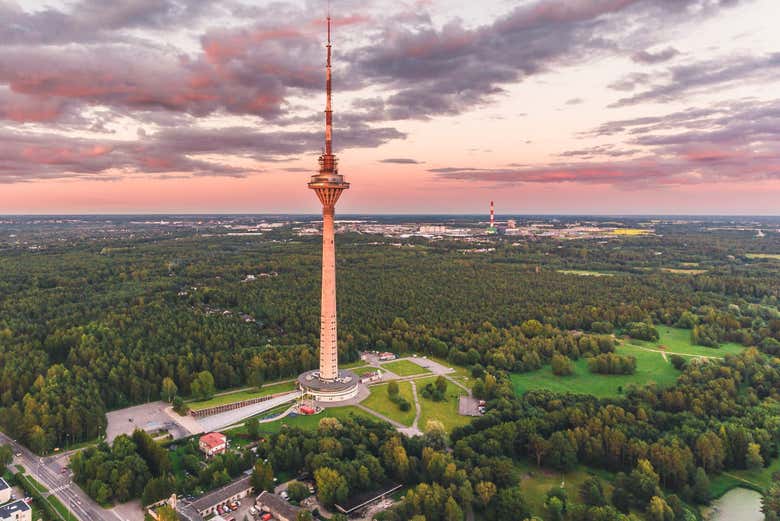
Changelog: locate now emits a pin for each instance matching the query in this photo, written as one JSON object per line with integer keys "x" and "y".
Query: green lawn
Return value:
{"x": 311, "y": 422}
{"x": 380, "y": 402}
{"x": 446, "y": 411}
{"x": 756, "y": 479}
{"x": 535, "y": 482}
{"x": 650, "y": 367}
{"x": 360, "y": 371}
{"x": 586, "y": 273}
{"x": 405, "y": 368}
{"x": 461, "y": 374}
{"x": 238, "y": 396}
{"x": 678, "y": 340}
{"x": 350, "y": 365}
{"x": 684, "y": 271}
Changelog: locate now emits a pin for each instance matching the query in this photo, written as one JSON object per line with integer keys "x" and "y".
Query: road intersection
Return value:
{"x": 53, "y": 474}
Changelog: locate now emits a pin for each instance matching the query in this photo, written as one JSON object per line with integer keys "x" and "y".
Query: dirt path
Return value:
{"x": 416, "y": 406}
{"x": 664, "y": 353}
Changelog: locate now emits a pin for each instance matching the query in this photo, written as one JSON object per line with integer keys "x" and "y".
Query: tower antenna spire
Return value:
{"x": 328, "y": 90}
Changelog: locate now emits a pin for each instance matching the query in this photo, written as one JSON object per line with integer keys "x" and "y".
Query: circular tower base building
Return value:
{"x": 342, "y": 388}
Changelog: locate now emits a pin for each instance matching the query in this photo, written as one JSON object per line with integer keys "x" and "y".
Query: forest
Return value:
{"x": 91, "y": 324}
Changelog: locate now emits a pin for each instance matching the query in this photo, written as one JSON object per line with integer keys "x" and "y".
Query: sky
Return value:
{"x": 544, "y": 106}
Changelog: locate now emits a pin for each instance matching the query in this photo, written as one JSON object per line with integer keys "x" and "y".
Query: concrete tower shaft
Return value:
{"x": 328, "y": 184}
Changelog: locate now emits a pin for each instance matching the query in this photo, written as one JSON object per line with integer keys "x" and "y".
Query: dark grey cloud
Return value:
{"x": 401, "y": 161}
{"x": 454, "y": 68}
{"x": 649, "y": 57}
{"x": 706, "y": 76}
{"x": 29, "y": 156}
{"x": 90, "y": 20}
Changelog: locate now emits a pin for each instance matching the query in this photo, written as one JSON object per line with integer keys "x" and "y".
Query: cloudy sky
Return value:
{"x": 545, "y": 106}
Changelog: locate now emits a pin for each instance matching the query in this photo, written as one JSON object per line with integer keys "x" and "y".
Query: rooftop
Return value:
{"x": 7, "y": 510}
{"x": 360, "y": 500}
{"x": 277, "y": 505}
{"x": 213, "y": 439}
{"x": 221, "y": 494}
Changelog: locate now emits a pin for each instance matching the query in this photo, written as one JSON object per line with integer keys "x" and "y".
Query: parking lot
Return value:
{"x": 125, "y": 421}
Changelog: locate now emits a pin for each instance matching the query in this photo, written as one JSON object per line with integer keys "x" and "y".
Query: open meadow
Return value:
{"x": 405, "y": 368}
{"x": 445, "y": 411}
{"x": 380, "y": 402}
{"x": 653, "y": 366}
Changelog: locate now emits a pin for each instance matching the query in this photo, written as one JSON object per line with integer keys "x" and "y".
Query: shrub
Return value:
{"x": 561, "y": 365}
{"x": 678, "y": 362}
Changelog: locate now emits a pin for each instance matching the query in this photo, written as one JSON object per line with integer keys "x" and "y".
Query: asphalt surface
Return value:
{"x": 48, "y": 471}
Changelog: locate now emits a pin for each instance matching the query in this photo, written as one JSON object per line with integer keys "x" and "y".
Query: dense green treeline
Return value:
{"x": 98, "y": 325}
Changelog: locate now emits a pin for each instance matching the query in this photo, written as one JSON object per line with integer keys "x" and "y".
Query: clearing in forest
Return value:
{"x": 405, "y": 368}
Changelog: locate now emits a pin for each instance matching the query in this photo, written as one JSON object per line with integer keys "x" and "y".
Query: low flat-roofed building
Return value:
{"x": 16, "y": 511}
{"x": 207, "y": 504}
{"x": 5, "y": 492}
{"x": 278, "y": 507}
{"x": 359, "y": 501}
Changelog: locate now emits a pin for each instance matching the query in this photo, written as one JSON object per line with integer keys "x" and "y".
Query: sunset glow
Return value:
{"x": 545, "y": 106}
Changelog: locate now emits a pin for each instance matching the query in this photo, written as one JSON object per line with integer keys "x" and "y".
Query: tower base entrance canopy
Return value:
{"x": 342, "y": 388}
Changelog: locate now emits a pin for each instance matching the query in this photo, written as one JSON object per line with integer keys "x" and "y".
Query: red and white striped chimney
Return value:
{"x": 492, "y": 216}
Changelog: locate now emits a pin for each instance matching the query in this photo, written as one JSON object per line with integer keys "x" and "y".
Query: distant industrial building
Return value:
{"x": 212, "y": 444}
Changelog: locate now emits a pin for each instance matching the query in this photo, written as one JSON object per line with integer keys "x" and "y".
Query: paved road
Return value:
{"x": 49, "y": 472}
{"x": 219, "y": 421}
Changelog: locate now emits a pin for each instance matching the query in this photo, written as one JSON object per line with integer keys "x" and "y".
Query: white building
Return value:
{"x": 5, "y": 492}
{"x": 16, "y": 511}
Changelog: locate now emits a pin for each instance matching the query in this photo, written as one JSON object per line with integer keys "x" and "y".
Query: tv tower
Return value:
{"x": 328, "y": 384}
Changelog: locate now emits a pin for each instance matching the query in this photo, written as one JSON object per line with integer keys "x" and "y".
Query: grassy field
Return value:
{"x": 405, "y": 368}
{"x": 446, "y": 411}
{"x": 535, "y": 482}
{"x": 360, "y": 371}
{"x": 684, "y": 271}
{"x": 756, "y": 479}
{"x": 631, "y": 232}
{"x": 461, "y": 374}
{"x": 586, "y": 273}
{"x": 351, "y": 365}
{"x": 763, "y": 256}
{"x": 677, "y": 340}
{"x": 380, "y": 402}
{"x": 651, "y": 367}
{"x": 238, "y": 396}
{"x": 311, "y": 422}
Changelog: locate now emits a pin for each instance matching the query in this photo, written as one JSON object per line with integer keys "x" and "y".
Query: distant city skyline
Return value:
{"x": 589, "y": 107}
